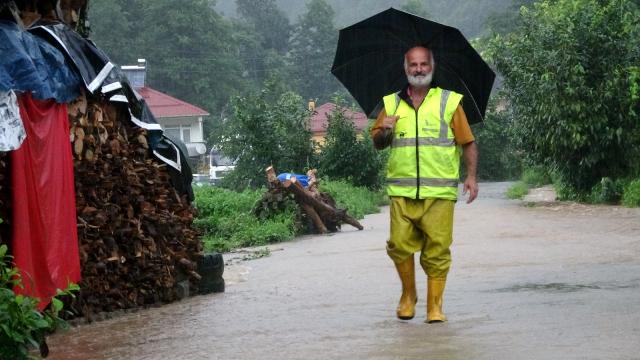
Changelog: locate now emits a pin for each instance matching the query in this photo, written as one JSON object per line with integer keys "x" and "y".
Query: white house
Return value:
{"x": 178, "y": 118}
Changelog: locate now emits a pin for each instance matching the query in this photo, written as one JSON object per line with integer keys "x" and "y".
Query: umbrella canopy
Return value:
{"x": 369, "y": 61}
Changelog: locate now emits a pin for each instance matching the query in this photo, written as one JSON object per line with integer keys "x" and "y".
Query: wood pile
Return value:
{"x": 320, "y": 208}
{"x": 134, "y": 230}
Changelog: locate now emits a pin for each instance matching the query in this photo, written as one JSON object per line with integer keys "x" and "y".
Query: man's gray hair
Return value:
{"x": 433, "y": 60}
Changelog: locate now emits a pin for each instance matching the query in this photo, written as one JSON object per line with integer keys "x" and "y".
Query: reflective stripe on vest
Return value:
{"x": 423, "y": 182}
{"x": 424, "y": 160}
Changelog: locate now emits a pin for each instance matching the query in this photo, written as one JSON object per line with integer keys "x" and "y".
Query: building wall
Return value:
{"x": 189, "y": 128}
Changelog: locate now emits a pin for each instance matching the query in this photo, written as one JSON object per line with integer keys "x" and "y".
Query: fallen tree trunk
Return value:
{"x": 322, "y": 208}
{"x": 318, "y": 207}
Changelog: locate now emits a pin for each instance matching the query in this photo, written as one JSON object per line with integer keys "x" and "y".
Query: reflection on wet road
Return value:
{"x": 560, "y": 281}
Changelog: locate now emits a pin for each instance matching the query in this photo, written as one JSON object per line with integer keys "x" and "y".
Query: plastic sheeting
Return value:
{"x": 29, "y": 63}
{"x": 92, "y": 64}
{"x": 302, "y": 179}
{"x": 12, "y": 132}
{"x": 45, "y": 240}
{"x": 180, "y": 179}
{"x": 170, "y": 151}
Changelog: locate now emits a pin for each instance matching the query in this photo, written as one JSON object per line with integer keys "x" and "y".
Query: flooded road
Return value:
{"x": 558, "y": 281}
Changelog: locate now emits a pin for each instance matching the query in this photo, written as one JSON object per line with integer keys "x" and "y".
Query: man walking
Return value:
{"x": 427, "y": 129}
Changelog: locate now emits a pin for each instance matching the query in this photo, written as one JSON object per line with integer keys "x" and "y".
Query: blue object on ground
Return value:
{"x": 302, "y": 179}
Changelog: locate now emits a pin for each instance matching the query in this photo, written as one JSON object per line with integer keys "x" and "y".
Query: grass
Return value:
{"x": 536, "y": 176}
{"x": 358, "y": 201}
{"x": 226, "y": 219}
{"x": 518, "y": 190}
{"x": 631, "y": 195}
{"x": 531, "y": 178}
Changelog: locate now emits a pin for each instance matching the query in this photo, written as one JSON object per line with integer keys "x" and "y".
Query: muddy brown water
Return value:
{"x": 559, "y": 281}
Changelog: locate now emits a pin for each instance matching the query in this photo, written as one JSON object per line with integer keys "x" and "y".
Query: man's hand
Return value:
{"x": 470, "y": 154}
{"x": 389, "y": 122}
{"x": 470, "y": 185}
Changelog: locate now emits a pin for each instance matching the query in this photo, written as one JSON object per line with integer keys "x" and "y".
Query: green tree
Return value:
{"x": 262, "y": 35}
{"x": 347, "y": 156}
{"x": 271, "y": 23}
{"x": 499, "y": 159}
{"x": 190, "y": 50}
{"x": 508, "y": 19}
{"x": 266, "y": 127}
{"x": 570, "y": 72}
{"x": 312, "y": 48}
{"x": 416, "y": 7}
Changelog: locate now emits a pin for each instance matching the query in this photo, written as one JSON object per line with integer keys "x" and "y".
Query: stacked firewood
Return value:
{"x": 320, "y": 208}
{"x": 134, "y": 230}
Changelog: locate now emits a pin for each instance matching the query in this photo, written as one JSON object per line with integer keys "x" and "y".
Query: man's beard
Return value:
{"x": 420, "y": 80}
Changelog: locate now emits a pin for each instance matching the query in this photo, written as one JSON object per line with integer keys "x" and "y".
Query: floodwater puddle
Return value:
{"x": 548, "y": 287}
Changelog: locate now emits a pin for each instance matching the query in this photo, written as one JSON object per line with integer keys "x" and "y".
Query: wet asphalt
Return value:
{"x": 552, "y": 281}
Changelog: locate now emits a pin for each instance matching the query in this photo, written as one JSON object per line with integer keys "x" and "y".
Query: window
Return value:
{"x": 182, "y": 132}
{"x": 173, "y": 132}
{"x": 186, "y": 135}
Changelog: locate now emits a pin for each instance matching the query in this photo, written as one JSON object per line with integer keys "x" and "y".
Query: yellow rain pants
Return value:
{"x": 425, "y": 226}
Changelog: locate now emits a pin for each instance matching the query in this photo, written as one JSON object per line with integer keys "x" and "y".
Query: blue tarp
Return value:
{"x": 29, "y": 63}
{"x": 302, "y": 179}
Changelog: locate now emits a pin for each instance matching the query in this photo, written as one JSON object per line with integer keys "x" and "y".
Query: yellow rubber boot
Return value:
{"x": 435, "y": 292}
{"x": 407, "y": 306}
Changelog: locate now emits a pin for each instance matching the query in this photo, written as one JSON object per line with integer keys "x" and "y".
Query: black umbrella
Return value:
{"x": 369, "y": 61}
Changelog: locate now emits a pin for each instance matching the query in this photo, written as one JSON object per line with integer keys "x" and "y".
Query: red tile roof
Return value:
{"x": 319, "y": 119}
{"x": 163, "y": 105}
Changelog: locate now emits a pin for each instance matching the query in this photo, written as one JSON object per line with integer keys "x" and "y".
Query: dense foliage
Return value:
{"x": 468, "y": 16}
{"x": 359, "y": 201}
{"x": 416, "y": 7}
{"x": 499, "y": 160}
{"x": 268, "y": 127}
{"x": 190, "y": 50}
{"x": 311, "y": 51}
{"x": 347, "y": 156}
{"x": 631, "y": 196}
{"x": 572, "y": 76}
{"x": 227, "y": 220}
{"x": 22, "y": 326}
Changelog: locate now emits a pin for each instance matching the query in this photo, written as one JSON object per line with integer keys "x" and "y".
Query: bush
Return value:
{"x": 607, "y": 191}
{"x": 228, "y": 222}
{"x": 22, "y": 326}
{"x": 571, "y": 73}
{"x": 358, "y": 201}
{"x": 518, "y": 190}
{"x": 499, "y": 160}
{"x": 346, "y": 156}
{"x": 265, "y": 128}
{"x": 631, "y": 195}
{"x": 536, "y": 176}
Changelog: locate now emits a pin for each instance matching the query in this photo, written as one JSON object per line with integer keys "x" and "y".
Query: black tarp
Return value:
{"x": 92, "y": 64}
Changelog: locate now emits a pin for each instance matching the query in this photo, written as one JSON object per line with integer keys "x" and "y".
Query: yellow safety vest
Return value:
{"x": 424, "y": 160}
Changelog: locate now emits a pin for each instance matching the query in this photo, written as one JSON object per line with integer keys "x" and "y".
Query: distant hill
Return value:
{"x": 467, "y": 15}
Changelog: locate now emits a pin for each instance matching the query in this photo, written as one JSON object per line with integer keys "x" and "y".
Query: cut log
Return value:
{"x": 315, "y": 218}
{"x": 323, "y": 209}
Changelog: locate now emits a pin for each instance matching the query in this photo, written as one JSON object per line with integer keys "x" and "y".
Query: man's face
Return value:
{"x": 418, "y": 67}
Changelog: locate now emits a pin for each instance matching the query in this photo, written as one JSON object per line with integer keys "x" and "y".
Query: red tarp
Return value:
{"x": 45, "y": 239}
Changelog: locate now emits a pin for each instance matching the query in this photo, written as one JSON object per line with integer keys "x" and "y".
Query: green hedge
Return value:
{"x": 631, "y": 195}
{"x": 226, "y": 219}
